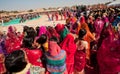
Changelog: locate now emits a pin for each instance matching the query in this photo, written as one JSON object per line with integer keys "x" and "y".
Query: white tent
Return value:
{"x": 115, "y": 3}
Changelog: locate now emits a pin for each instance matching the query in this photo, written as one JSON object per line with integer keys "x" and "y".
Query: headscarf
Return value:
{"x": 11, "y": 29}
{"x": 55, "y": 59}
{"x": 52, "y": 32}
{"x": 11, "y": 32}
{"x": 59, "y": 27}
{"x": 64, "y": 33}
{"x": 12, "y": 42}
{"x": 70, "y": 47}
{"x": 54, "y": 49}
{"x": 82, "y": 19}
{"x": 99, "y": 24}
{"x": 73, "y": 20}
{"x": 42, "y": 30}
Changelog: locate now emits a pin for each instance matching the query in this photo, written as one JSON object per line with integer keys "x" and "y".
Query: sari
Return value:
{"x": 69, "y": 46}
{"x": 34, "y": 56}
{"x": 80, "y": 56}
{"x": 108, "y": 55}
{"x": 99, "y": 24}
{"x": 53, "y": 33}
{"x": 12, "y": 42}
{"x": 55, "y": 59}
{"x": 89, "y": 37}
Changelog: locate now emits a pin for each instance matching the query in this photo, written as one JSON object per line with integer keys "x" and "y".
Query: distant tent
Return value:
{"x": 59, "y": 9}
{"x": 115, "y": 3}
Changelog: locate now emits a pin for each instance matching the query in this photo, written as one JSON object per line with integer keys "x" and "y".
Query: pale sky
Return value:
{"x": 34, "y": 4}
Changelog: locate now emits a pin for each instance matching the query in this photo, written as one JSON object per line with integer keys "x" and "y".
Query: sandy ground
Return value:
{"x": 43, "y": 21}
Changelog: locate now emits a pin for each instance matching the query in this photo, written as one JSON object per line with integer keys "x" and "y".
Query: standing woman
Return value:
{"x": 108, "y": 56}
{"x": 69, "y": 46}
{"x": 99, "y": 24}
{"x": 55, "y": 58}
{"x": 80, "y": 55}
{"x": 13, "y": 42}
{"x": 34, "y": 54}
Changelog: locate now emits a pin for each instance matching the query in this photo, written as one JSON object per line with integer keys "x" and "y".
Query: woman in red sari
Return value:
{"x": 33, "y": 53}
{"x": 108, "y": 54}
{"x": 69, "y": 46}
{"x": 13, "y": 42}
{"x": 80, "y": 54}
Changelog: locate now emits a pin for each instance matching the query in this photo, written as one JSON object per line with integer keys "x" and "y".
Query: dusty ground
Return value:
{"x": 33, "y": 23}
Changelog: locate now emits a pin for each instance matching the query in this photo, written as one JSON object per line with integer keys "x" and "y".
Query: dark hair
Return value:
{"x": 27, "y": 42}
{"x": 25, "y": 28}
{"x": 31, "y": 32}
{"x": 42, "y": 39}
{"x": 15, "y": 61}
{"x": 53, "y": 38}
{"x": 37, "y": 30}
{"x": 82, "y": 33}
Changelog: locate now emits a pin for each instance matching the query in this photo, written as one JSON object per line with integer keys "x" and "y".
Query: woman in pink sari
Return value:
{"x": 108, "y": 54}
{"x": 42, "y": 30}
{"x": 69, "y": 46}
{"x": 99, "y": 24}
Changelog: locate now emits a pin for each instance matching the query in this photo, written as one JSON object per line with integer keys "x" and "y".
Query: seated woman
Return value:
{"x": 17, "y": 63}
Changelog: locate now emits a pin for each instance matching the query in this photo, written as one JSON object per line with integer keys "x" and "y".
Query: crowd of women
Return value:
{"x": 86, "y": 44}
{"x": 23, "y": 17}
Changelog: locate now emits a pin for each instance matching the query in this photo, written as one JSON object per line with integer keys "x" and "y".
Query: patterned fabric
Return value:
{"x": 34, "y": 56}
{"x": 56, "y": 64}
{"x": 12, "y": 42}
{"x": 31, "y": 69}
{"x": 80, "y": 60}
{"x": 36, "y": 70}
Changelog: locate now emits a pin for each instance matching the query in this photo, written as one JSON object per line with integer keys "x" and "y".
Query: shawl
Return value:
{"x": 12, "y": 42}
{"x": 55, "y": 58}
{"x": 34, "y": 56}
